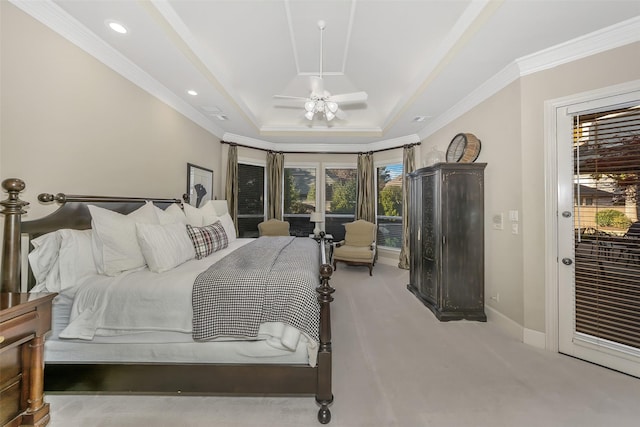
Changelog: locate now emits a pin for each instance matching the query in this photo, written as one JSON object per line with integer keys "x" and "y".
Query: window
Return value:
{"x": 606, "y": 150}
{"x": 299, "y": 199}
{"x": 389, "y": 209}
{"x": 340, "y": 199}
{"x": 251, "y": 191}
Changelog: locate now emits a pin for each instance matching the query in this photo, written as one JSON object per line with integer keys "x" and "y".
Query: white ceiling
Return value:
{"x": 414, "y": 58}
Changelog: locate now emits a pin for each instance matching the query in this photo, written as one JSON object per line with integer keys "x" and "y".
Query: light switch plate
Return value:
{"x": 498, "y": 221}
{"x": 514, "y": 228}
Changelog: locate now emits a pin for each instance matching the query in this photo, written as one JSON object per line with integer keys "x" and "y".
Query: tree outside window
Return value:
{"x": 389, "y": 206}
{"x": 299, "y": 199}
{"x": 340, "y": 199}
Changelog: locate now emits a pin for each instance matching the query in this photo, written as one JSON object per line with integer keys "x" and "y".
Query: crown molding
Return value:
{"x": 250, "y": 142}
{"x": 608, "y": 38}
{"x": 55, "y": 18}
{"x": 320, "y": 130}
{"x": 393, "y": 143}
{"x": 319, "y": 147}
{"x": 489, "y": 88}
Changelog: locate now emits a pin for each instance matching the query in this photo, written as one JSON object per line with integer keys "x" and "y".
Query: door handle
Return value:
{"x": 567, "y": 261}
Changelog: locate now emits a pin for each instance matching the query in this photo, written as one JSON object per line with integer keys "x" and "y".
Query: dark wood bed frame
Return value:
{"x": 160, "y": 378}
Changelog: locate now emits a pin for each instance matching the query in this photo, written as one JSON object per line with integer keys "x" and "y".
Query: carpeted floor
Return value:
{"x": 396, "y": 365}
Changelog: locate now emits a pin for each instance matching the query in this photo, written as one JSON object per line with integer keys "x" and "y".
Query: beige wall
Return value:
{"x": 511, "y": 127}
{"x": 71, "y": 124}
{"x": 597, "y": 71}
{"x": 496, "y": 122}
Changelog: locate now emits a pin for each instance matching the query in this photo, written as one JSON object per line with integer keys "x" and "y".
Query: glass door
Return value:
{"x": 599, "y": 283}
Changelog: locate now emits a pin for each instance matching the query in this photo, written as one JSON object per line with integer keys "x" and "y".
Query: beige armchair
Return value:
{"x": 358, "y": 246}
{"x": 273, "y": 227}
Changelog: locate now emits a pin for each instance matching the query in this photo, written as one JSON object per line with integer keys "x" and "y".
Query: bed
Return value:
{"x": 190, "y": 328}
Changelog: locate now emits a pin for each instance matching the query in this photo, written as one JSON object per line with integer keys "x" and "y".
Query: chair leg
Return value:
{"x": 370, "y": 267}
{"x": 334, "y": 265}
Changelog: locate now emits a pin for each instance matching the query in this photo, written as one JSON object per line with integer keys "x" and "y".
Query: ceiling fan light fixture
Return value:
{"x": 320, "y": 101}
{"x": 332, "y": 106}
{"x": 310, "y": 106}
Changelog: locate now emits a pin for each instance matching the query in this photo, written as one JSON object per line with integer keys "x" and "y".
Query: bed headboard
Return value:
{"x": 73, "y": 213}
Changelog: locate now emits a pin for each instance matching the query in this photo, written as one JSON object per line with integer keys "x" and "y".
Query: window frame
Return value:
{"x": 350, "y": 218}
{"x": 263, "y": 165}
{"x": 378, "y": 165}
{"x": 303, "y": 165}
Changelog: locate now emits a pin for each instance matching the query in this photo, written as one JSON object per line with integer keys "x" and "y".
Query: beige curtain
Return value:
{"x": 275, "y": 173}
{"x": 408, "y": 165}
{"x": 365, "y": 205}
{"x": 231, "y": 188}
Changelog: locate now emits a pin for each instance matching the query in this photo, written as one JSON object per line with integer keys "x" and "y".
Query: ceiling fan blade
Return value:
{"x": 295, "y": 98}
{"x": 317, "y": 86}
{"x": 349, "y": 98}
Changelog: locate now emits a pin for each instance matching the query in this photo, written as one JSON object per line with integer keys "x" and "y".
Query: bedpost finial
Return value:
{"x": 13, "y": 185}
{"x": 13, "y": 204}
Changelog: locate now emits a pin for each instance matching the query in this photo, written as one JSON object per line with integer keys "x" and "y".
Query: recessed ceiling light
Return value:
{"x": 192, "y": 92}
{"x": 420, "y": 118}
{"x": 117, "y": 27}
{"x": 221, "y": 117}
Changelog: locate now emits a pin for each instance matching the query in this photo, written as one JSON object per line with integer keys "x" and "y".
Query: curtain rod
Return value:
{"x": 319, "y": 152}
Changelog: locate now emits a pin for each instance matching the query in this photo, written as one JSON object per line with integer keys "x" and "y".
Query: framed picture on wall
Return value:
{"x": 199, "y": 185}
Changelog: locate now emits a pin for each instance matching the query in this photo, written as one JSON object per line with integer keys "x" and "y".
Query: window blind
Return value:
{"x": 607, "y": 245}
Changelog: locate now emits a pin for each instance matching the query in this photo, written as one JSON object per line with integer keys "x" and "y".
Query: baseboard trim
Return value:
{"x": 535, "y": 338}
{"x": 511, "y": 327}
{"x": 514, "y": 329}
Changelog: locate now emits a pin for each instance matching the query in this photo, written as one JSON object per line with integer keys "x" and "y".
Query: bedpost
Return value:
{"x": 12, "y": 210}
{"x": 324, "y": 395}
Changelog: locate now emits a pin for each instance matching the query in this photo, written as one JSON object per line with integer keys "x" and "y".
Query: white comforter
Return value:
{"x": 143, "y": 301}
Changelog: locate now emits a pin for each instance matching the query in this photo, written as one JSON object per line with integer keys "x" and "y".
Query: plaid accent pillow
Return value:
{"x": 208, "y": 239}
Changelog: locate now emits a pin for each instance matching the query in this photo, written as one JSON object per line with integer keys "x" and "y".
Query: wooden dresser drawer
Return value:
{"x": 10, "y": 400}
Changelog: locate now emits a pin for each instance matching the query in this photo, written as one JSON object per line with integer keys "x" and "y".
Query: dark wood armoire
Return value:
{"x": 447, "y": 239}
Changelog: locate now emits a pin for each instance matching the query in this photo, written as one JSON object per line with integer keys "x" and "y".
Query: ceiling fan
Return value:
{"x": 321, "y": 101}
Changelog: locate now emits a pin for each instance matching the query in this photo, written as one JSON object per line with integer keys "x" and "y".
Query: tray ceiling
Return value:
{"x": 421, "y": 62}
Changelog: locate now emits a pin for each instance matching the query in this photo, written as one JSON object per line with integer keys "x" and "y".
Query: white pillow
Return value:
{"x": 229, "y": 227}
{"x": 164, "y": 246}
{"x": 171, "y": 214}
{"x": 220, "y": 206}
{"x": 115, "y": 245}
{"x": 71, "y": 261}
{"x": 76, "y": 257}
{"x": 44, "y": 255}
{"x": 197, "y": 217}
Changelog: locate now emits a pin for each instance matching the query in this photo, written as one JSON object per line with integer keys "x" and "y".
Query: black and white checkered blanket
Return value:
{"x": 272, "y": 279}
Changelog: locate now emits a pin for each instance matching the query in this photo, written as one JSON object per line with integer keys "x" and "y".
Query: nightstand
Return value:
{"x": 328, "y": 238}
{"x": 24, "y": 321}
